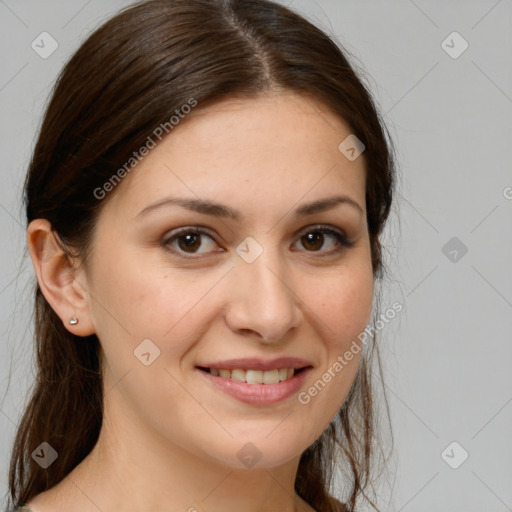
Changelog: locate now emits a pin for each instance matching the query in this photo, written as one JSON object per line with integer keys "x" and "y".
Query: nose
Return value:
{"x": 262, "y": 302}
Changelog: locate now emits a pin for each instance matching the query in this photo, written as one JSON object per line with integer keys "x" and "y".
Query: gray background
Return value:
{"x": 447, "y": 355}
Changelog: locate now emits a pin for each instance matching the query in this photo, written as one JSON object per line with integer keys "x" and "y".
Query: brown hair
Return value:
{"x": 126, "y": 79}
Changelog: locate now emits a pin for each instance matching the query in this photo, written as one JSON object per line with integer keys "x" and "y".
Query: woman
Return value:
{"x": 204, "y": 205}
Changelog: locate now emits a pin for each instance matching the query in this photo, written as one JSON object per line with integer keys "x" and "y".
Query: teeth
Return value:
{"x": 255, "y": 376}
{"x": 238, "y": 375}
{"x": 271, "y": 377}
{"x": 251, "y": 376}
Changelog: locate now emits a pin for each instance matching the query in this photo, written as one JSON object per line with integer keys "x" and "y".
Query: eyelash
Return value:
{"x": 343, "y": 242}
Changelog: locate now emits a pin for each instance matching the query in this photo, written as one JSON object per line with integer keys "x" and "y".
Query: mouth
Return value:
{"x": 256, "y": 382}
{"x": 253, "y": 376}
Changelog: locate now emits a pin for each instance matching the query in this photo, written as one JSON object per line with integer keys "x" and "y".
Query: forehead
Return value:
{"x": 249, "y": 153}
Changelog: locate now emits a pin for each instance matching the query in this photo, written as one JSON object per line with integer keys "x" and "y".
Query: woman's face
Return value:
{"x": 261, "y": 284}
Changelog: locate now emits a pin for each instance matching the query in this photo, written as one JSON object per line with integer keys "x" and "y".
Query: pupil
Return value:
{"x": 191, "y": 241}
{"x": 311, "y": 237}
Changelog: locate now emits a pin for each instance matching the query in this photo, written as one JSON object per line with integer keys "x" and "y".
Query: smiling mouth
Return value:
{"x": 249, "y": 376}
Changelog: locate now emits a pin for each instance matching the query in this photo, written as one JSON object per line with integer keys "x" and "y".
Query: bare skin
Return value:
{"x": 170, "y": 439}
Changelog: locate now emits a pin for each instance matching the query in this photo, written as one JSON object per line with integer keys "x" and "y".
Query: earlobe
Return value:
{"x": 59, "y": 278}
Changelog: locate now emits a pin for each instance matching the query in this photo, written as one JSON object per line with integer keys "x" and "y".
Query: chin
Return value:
{"x": 258, "y": 452}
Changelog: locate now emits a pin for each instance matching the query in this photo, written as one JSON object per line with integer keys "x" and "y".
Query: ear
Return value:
{"x": 63, "y": 285}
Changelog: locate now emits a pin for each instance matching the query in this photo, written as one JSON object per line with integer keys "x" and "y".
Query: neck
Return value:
{"x": 134, "y": 470}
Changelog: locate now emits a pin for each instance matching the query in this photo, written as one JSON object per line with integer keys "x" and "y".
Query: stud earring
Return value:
{"x": 73, "y": 321}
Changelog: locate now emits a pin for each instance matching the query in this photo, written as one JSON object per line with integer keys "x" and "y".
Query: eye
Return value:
{"x": 190, "y": 239}
{"x": 315, "y": 238}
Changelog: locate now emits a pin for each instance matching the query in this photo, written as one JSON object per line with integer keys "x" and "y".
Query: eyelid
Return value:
{"x": 321, "y": 227}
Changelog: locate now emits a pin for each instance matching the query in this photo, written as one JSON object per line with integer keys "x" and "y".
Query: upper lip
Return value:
{"x": 258, "y": 364}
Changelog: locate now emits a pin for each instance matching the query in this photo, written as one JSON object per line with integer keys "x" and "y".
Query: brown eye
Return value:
{"x": 314, "y": 240}
{"x": 188, "y": 240}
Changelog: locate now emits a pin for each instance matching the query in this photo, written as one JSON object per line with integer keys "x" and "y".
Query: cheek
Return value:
{"x": 345, "y": 304}
{"x": 344, "y": 309}
{"x": 135, "y": 296}
{"x": 135, "y": 300}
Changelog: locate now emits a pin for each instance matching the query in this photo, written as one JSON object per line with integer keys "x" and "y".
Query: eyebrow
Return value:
{"x": 222, "y": 211}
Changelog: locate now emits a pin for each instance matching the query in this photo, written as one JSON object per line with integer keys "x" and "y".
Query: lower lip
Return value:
{"x": 257, "y": 394}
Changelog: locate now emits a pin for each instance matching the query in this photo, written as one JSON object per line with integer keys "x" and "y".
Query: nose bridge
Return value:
{"x": 264, "y": 301}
